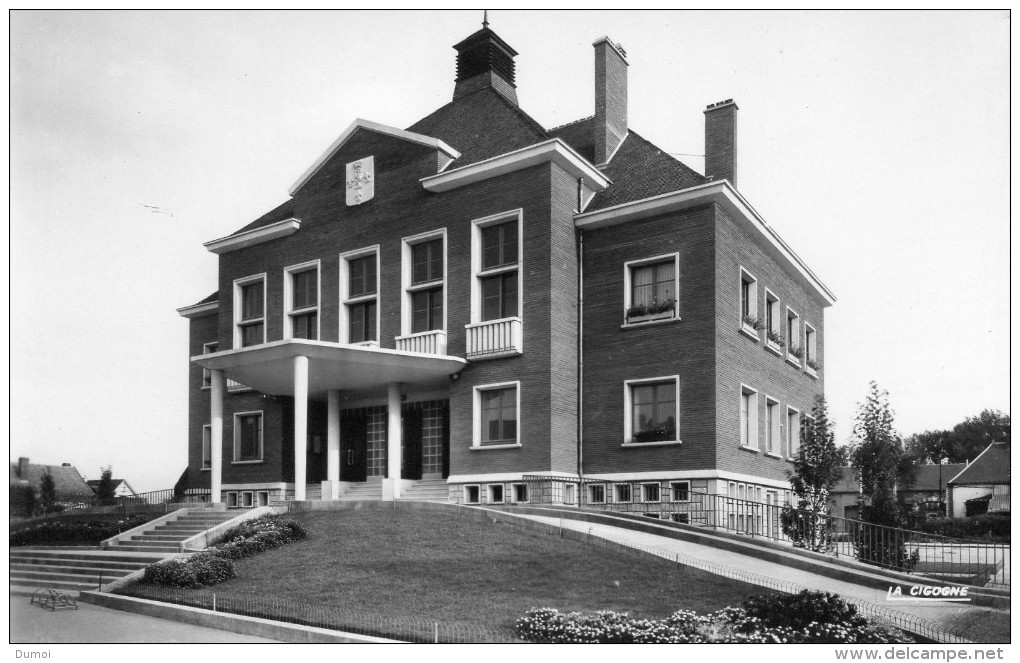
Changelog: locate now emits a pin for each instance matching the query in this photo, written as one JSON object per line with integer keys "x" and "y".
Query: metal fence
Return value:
{"x": 404, "y": 629}
{"x": 972, "y": 562}
{"x": 153, "y": 502}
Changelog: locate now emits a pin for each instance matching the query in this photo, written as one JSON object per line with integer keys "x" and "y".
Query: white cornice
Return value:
{"x": 253, "y": 237}
{"x": 723, "y": 194}
{"x": 198, "y": 310}
{"x": 360, "y": 123}
{"x": 554, "y": 150}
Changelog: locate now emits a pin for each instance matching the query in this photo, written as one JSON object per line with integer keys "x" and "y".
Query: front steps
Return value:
{"x": 73, "y": 569}
{"x": 423, "y": 490}
{"x": 166, "y": 538}
{"x": 428, "y": 490}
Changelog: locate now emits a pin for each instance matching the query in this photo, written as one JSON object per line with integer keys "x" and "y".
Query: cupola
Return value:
{"x": 485, "y": 60}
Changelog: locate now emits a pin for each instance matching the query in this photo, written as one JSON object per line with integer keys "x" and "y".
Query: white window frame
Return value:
{"x": 238, "y": 306}
{"x": 790, "y": 341}
{"x": 773, "y": 427}
{"x": 207, "y": 373}
{"x": 231, "y": 498}
{"x": 490, "y": 489}
{"x": 288, "y": 298}
{"x": 518, "y": 490}
{"x": 628, "y": 292}
{"x": 466, "y": 493}
{"x": 262, "y": 498}
{"x": 810, "y": 346}
{"x": 206, "y": 428}
{"x": 752, "y": 418}
{"x": 773, "y": 305}
{"x": 616, "y": 493}
{"x": 477, "y": 274}
{"x": 246, "y": 499}
{"x": 408, "y": 289}
{"x": 591, "y": 496}
{"x": 345, "y": 293}
{"x": 658, "y": 492}
{"x": 792, "y": 432}
{"x": 752, "y": 302}
{"x": 673, "y": 490}
{"x": 628, "y": 410}
{"x": 237, "y": 438}
{"x": 476, "y": 432}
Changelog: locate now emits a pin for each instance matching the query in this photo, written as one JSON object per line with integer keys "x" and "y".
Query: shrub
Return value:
{"x": 975, "y": 527}
{"x": 808, "y": 617}
{"x": 74, "y": 531}
{"x": 257, "y": 536}
{"x": 193, "y": 571}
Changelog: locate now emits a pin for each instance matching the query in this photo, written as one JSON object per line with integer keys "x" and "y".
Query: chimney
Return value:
{"x": 65, "y": 465}
{"x": 22, "y": 467}
{"x": 610, "y": 98}
{"x": 721, "y": 141}
{"x": 485, "y": 60}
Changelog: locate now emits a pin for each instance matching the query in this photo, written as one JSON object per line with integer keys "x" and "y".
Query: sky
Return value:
{"x": 874, "y": 143}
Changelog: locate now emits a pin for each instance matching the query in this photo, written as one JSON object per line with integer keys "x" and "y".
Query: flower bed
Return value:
{"x": 215, "y": 565}
{"x": 75, "y": 532}
{"x": 808, "y": 617}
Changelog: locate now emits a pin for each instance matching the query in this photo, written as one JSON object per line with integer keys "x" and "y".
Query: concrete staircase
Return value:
{"x": 166, "y": 538}
{"x": 71, "y": 569}
{"x": 428, "y": 490}
{"x": 369, "y": 491}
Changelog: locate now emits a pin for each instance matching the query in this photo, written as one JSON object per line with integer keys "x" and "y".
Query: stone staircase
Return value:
{"x": 369, "y": 491}
{"x": 166, "y": 538}
{"x": 428, "y": 490}
{"x": 72, "y": 569}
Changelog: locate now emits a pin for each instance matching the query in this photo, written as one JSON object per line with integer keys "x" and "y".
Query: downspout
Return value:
{"x": 580, "y": 350}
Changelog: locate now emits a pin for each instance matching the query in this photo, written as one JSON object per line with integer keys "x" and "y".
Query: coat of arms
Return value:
{"x": 360, "y": 181}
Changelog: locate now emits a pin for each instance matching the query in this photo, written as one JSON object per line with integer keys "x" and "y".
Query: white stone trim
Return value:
{"x": 198, "y": 310}
{"x": 628, "y": 402}
{"x": 476, "y": 261}
{"x": 476, "y": 413}
{"x": 506, "y": 476}
{"x": 684, "y": 475}
{"x": 360, "y": 123}
{"x": 288, "y": 297}
{"x": 722, "y": 193}
{"x": 407, "y": 290}
{"x": 253, "y": 237}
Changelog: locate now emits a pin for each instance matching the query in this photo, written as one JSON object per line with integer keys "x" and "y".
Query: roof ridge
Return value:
{"x": 564, "y": 126}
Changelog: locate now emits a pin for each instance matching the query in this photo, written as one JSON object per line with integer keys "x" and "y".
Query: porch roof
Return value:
{"x": 268, "y": 368}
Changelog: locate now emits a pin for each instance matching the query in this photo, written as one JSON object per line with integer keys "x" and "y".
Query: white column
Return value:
{"x": 331, "y": 487}
{"x": 217, "y": 387}
{"x": 300, "y": 425}
{"x": 393, "y": 438}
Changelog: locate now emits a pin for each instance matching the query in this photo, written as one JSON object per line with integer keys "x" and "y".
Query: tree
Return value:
{"x": 881, "y": 465}
{"x": 47, "y": 492}
{"x": 961, "y": 444}
{"x": 815, "y": 473}
{"x": 105, "y": 489}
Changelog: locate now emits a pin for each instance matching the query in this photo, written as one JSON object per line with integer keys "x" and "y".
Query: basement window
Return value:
{"x": 597, "y": 494}
{"x": 472, "y": 494}
{"x": 495, "y": 493}
{"x": 623, "y": 492}
{"x": 519, "y": 492}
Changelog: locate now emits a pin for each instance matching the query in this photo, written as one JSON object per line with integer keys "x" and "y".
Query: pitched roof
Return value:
{"x": 66, "y": 479}
{"x": 481, "y": 125}
{"x": 925, "y": 478}
{"x": 991, "y": 466}
{"x": 94, "y": 484}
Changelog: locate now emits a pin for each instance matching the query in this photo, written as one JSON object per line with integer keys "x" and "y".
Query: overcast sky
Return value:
{"x": 876, "y": 144}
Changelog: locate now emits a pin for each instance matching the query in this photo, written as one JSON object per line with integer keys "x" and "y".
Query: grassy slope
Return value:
{"x": 437, "y": 566}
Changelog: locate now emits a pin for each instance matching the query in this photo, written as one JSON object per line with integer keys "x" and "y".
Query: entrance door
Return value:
{"x": 354, "y": 446}
{"x": 410, "y": 458}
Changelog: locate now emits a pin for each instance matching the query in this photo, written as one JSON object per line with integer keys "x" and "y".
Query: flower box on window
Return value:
{"x": 796, "y": 351}
{"x": 661, "y": 434}
{"x": 752, "y": 323}
{"x": 654, "y": 311}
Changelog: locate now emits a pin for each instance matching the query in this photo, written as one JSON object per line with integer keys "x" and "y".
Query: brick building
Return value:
{"x": 447, "y": 309}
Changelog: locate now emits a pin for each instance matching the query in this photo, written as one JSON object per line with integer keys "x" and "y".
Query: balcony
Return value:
{"x": 233, "y": 386}
{"x": 494, "y": 338}
{"x": 430, "y": 342}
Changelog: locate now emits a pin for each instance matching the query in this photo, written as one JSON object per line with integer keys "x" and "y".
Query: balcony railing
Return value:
{"x": 494, "y": 338}
{"x": 235, "y": 386}
{"x": 430, "y": 342}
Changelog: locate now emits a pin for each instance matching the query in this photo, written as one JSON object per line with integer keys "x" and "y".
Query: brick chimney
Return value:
{"x": 485, "y": 60}
{"x": 610, "y": 98}
{"x": 721, "y": 141}
{"x": 22, "y": 468}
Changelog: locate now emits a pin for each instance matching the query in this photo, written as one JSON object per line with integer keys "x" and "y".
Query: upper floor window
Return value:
{"x": 651, "y": 289}
{"x": 748, "y": 417}
{"x": 810, "y": 347}
{"x": 208, "y": 349}
{"x": 426, "y": 291}
{"x": 250, "y": 311}
{"x": 749, "y": 303}
{"x": 773, "y": 321}
{"x": 794, "y": 349}
{"x": 301, "y": 300}
{"x": 496, "y": 408}
{"x": 496, "y": 260}
{"x": 651, "y": 410}
{"x": 792, "y": 431}
{"x": 772, "y": 426}
{"x": 360, "y": 294}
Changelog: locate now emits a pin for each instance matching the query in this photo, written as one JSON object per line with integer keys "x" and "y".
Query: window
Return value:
{"x": 772, "y": 423}
{"x": 208, "y": 349}
{"x": 651, "y": 410}
{"x": 596, "y": 493}
{"x": 495, "y": 493}
{"x": 749, "y": 302}
{"x": 650, "y": 492}
{"x": 569, "y": 491}
{"x": 360, "y": 291}
{"x": 792, "y": 431}
{"x": 496, "y": 260}
{"x": 496, "y": 414}
{"x": 794, "y": 349}
{"x": 263, "y": 497}
{"x": 250, "y": 311}
{"x": 520, "y": 492}
{"x": 651, "y": 288}
{"x": 232, "y": 499}
{"x": 301, "y": 300}
{"x": 681, "y": 518}
{"x": 247, "y": 498}
{"x": 773, "y": 321}
{"x": 425, "y": 263}
{"x": 680, "y": 490}
{"x": 748, "y": 417}
{"x": 472, "y": 494}
{"x": 206, "y": 447}
{"x": 623, "y": 492}
{"x": 248, "y": 437}
{"x": 810, "y": 347}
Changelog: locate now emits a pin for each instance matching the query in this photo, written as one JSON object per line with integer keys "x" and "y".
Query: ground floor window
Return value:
{"x": 247, "y": 437}
{"x": 496, "y": 414}
{"x": 495, "y": 493}
{"x": 472, "y": 494}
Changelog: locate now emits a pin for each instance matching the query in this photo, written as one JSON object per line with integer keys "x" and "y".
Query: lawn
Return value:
{"x": 439, "y": 567}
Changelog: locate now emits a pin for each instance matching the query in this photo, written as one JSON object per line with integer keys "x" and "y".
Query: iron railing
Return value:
{"x": 404, "y": 629}
{"x": 156, "y": 501}
{"x": 966, "y": 561}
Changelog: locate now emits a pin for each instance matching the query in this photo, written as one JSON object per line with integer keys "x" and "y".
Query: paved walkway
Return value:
{"x": 937, "y": 612}
{"x": 95, "y": 624}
